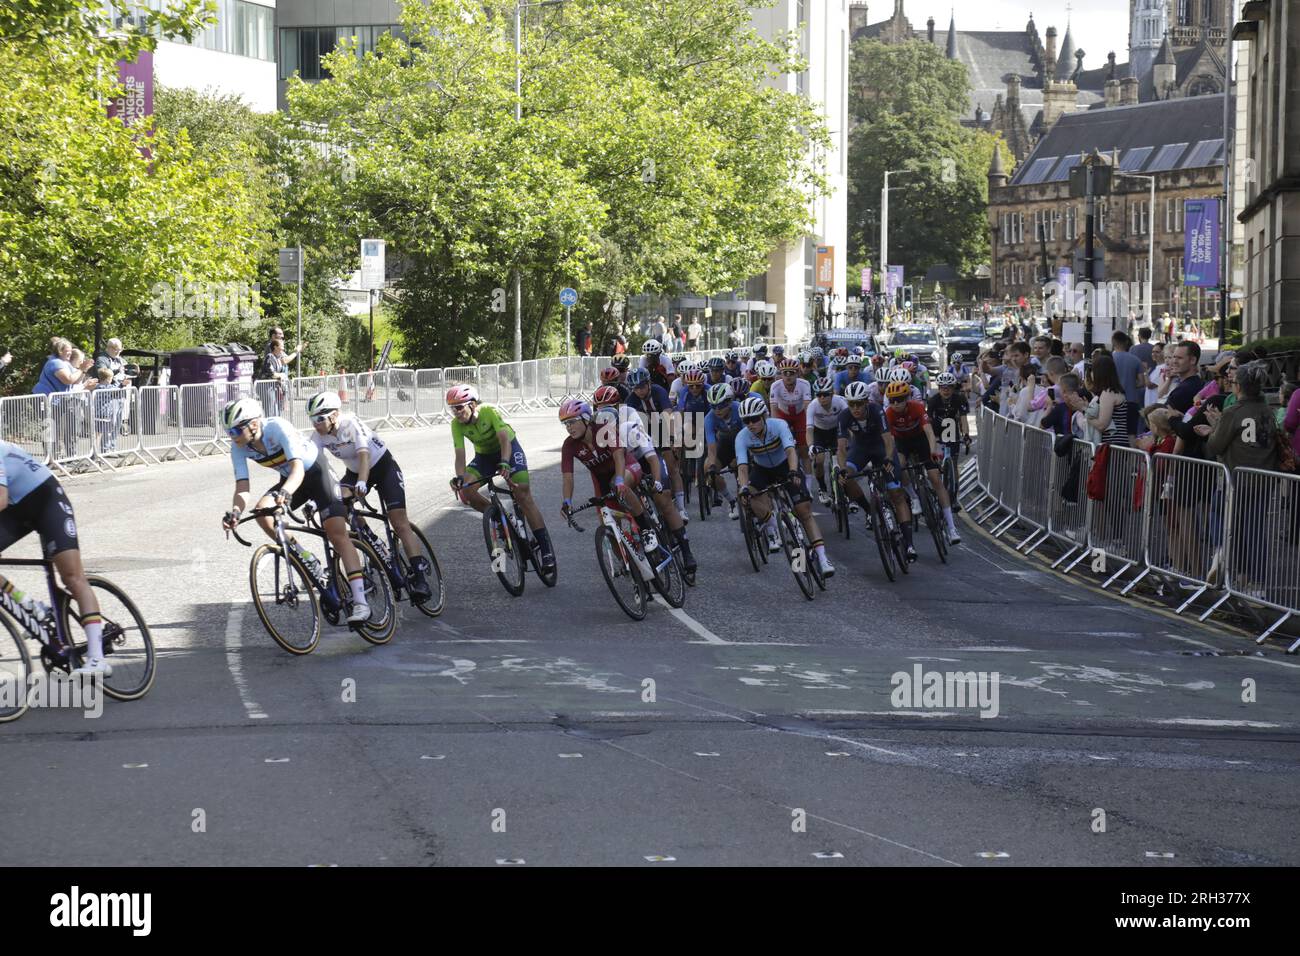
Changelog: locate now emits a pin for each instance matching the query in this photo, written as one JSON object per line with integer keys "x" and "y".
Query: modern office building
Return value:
{"x": 306, "y": 30}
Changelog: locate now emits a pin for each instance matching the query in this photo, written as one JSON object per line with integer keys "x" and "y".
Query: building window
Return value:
{"x": 1174, "y": 264}
{"x": 1184, "y": 13}
{"x": 1020, "y": 227}
{"x": 1053, "y": 223}
{"x": 301, "y": 48}
{"x": 242, "y": 28}
{"x": 1071, "y": 221}
{"x": 1139, "y": 218}
{"x": 1101, "y": 215}
{"x": 1173, "y": 215}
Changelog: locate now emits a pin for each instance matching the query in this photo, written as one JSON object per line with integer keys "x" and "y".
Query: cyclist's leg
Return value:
{"x": 852, "y": 472}
{"x": 48, "y": 510}
{"x": 480, "y": 465}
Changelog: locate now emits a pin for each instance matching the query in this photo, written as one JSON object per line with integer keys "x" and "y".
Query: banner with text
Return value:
{"x": 1201, "y": 255}
{"x": 825, "y": 281}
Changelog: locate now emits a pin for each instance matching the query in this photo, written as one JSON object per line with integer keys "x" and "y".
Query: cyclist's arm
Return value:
{"x": 842, "y": 452}
{"x": 890, "y": 449}
{"x": 929, "y": 435}
{"x": 711, "y": 460}
{"x": 460, "y": 461}
{"x": 295, "y": 476}
{"x": 238, "y": 503}
{"x": 363, "y": 465}
{"x": 566, "y": 486}
{"x": 503, "y": 439}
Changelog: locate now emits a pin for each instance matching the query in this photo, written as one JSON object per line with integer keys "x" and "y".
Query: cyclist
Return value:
{"x": 721, "y": 426}
{"x": 960, "y": 369}
{"x": 496, "y": 449}
{"x": 759, "y": 354}
{"x": 853, "y": 372}
{"x": 369, "y": 463}
{"x": 863, "y": 441}
{"x": 613, "y": 375}
{"x": 734, "y": 368}
{"x": 789, "y": 398}
{"x": 948, "y": 409}
{"x": 717, "y": 367}
{"x": 766, "y": 373}
{"x": 876, "y": 391}
{"x": 654, "y": 361}
{"x": 920, "y": 374}
{"x": 674, "y": 390}
{"x": 618, "y": 428}
{"x": 692, "y": 408}
{"x": 658, "y": 419}
{"x": 31, "y": 499}
{"x": 808, "y": 368}
{"x": 824, "y": 421}
{"x": 765, "y": 454}
{"x": 910, "y": 426}
{"x": 304, "y": 476}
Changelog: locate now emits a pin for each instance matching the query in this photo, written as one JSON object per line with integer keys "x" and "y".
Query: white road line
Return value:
{"x": 1188, "y": 640}
{"x": 234, "y": 627}
{"x": 1207, "y": 722}
{"x": 693, "y": 625}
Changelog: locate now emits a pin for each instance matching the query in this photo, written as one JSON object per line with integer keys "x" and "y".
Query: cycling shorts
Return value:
{"x": 46, "y": 510}
{"x": 485, "y": 463}
{"x": 798, "y": 427}
{"x": 631, "y": 474}
{"x": 917, "y": 448}
{"x": 387, "y": 477}
{"x": 760, "y": 479}
{"x": 320, "y": 486}
{"x": 828, "y": 438}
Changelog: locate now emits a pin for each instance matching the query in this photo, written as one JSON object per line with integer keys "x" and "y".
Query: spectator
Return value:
{"x": 762, "y": 330}
{"x": 1110, "y": 417}
{"x": 59, "y": 374}
{"x": 676, "y": 335}
{"x": 1156, "y": 372}
{"x": 1161, "y": 439}
{"x": 737, "y": 337}
{"x": 1144, "y": 347}
{"x": 1131, "y": 380}
{"x": 1058, "y": 348}
{"x": 1074, "y": 355}
{"x": 1186, "y": 355}
{"x": 1291, "y": 415}
{"x": 1041, "y": 348}
{"x": 1064, "y": 417}
{"x": 1006, "y": 377}
{"x": 1244, "y": 436}
{"x": 110, "y": 406}
{"x": 583, "y": 340}
{"x": 276, "y": 368}
{"x": 6, "y": 363}
{"x": 657, "y": 329}
{"x": 693, "y": 333}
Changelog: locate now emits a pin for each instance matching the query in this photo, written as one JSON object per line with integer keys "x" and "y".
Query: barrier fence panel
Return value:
{"x": 401, "y": 396}
{"x": 25, "y": 422}
{"x": 430, "y": 404}
{"x": 1116, "y": 526}
{"x": 1036, "y": 465}
{"x": 998, "y": 443}
{"x": 489, "y": 387}
{"x": 509, "y": 386}
{"x": 200, "y": 431}
{"x": 461, "y": 375}
{"x": 73, "y": 432}
{"x": 157, "y": 410}
{"x": 534, "y": 395}
{"x": 371, "y": 402}
{"x": 559, "y": 373}
{"x": 1071, "y": 512}
{"x": 1187, "y": 522}
{"x": 983, "y": 459}
{"x": 1263, "y": 551}
{"x": 589, "y": 380}
{"x": 115, "y": 437}
{"x": 1009, "y": 494}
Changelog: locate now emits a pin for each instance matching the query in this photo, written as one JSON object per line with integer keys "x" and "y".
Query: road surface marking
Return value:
{"x": 1153, "y": 855}
{"x": 661, "y": 859}
{"x": 276, "y": 760}
{"x": 1207, "y": 722}
{"x": 696, "y": 628}
{"x": 433, "y": 756}
{"x": 234, "y": 628}
{"x": 829, "y": 855}
{"x": 1188, "y": 640}
{"x": 993, "y": 855}
{"x": 997, "y": 650}
{"x": 570, "y": 755}
{"x": 510, "y": 862}
{"x": 134, "y": 766}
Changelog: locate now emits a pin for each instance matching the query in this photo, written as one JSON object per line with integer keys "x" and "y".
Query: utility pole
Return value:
{"x": 1089, "y": 223}
{"x": 1225, "y": 278}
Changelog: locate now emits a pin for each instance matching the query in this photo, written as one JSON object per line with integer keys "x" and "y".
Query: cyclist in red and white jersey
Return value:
{"x": 789, "y": 397}
{"x": 914, "y": 438}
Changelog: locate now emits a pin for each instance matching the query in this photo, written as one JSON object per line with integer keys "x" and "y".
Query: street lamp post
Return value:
{"x": 519, "y": 115}
{"x": 1151, "y": 244}
{"x": 884, "y": 221}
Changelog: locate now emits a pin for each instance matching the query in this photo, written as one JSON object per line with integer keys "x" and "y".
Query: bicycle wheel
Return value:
{"x": 950, "y": 477}
{"x": 382, "y": 623}
{"x": 504, "y": 550}
{"x": 127, "y": 643}
{"x": 844, "y": 514}
{"x": 755, "y": 543}
{"x": 668, "y": 579}
{"x": 704, "y": 491}
{"x": 620, "y": 574}
{"x": 433, "y": 605}
{"x": 790, "y": 543}
{"x": 882, "y": 535}
{"x": 15, "y": 668}
{"x": 934, "y": 521}
{"x": 686, "y": 470}
{"x": 286, "y": 599}
{"x": 548, "y": 577}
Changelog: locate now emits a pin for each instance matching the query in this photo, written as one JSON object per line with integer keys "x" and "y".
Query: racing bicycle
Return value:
{"x": 511, "y": 544}
{"x": 393, "y": 556}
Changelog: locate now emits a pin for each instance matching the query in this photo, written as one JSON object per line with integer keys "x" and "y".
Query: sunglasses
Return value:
{"x": 753, "y": 421}
{"x": 694, "y": 384}
{"x": 321, "y": 419}
{"x": 898, "y": 401}
{"x": 236, "y": 431}
{"x": 857, "y": 404}
{"x": 456, "y": 408}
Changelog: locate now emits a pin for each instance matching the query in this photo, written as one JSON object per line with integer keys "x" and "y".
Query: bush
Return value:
{"x": 1285, "y": 343}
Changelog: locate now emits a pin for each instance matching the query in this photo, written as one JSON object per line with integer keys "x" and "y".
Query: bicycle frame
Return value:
{"x": 54, "y": 638}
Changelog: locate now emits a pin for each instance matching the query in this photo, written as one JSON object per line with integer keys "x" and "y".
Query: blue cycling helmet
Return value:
{"x": 638, "y": 377}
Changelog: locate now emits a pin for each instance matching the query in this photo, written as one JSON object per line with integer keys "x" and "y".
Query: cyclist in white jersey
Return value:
{"x": 276, "y": 444}
{"x": 369, "y": 464}
{"x": 824, "y": 423}
{"x": 789, "y": 398}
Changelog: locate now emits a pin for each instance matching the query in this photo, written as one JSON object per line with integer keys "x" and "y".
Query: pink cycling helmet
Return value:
{"x": 460, "y": 394}
{"x": 572, "y": 408}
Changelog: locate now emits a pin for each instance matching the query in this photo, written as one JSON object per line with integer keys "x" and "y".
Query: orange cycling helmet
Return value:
{"x": 898, "y": 390}
{"x": 606, "y": 395}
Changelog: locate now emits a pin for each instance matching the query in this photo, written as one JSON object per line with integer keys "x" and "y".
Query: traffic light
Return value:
{"x": 907, "y": 298}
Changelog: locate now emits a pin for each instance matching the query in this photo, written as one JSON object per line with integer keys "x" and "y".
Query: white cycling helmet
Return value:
{"x": 240, "y": 412}
{"x": 322, "y": 403}
{"x": 753, "y": 407}
{"x": 652, "y": 347}
{"x": 855, "y": 392}
{"x": 945, "y": 378}
{"x": 765, "y": 369}
{"x": 900, "y": 374}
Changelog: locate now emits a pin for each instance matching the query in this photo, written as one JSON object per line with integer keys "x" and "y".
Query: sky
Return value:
{"x": 1098, "y": 26}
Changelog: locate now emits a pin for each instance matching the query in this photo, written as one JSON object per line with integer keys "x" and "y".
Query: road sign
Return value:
{"x": 568, "y": 297}
{"x": 372, "y": 263}
{"x": 290, "y": 265}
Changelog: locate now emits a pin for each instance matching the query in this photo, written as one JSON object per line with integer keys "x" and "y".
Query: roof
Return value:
{"x": 1185, "y": 62}
{"x": 1191, "y": 128}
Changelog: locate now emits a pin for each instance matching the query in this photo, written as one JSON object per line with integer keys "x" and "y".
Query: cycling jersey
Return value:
{"x": 761, "y": 387}
{"x": 866, "y": 436}
{"x": 842, "y": 380}
{"x": 599, "y": 462}
{"x": 20, "y": 472}
{"x": 626, "y": 432}
{"x": 284, "y": 445}
{"x": 825, "y": 422}
{"x": 717, "y": 430}
{"x": 907, "y": 421}
{"x": 675, "y": 390}
{"x": 693, "y": 403}
{"x": 790, "y": 404}
{"x": 768, "y": 449}
{"x": 656, "y": 401}
{"x": 482, "y": 431}
{"x": 351, "y": 436}
{"x": 661, "y": 372}
{"x": 955, "y": 409}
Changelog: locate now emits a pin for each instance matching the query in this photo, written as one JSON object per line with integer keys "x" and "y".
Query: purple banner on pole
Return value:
{"x": 1201, "y": 254}
{"x": 894, "y": 280}
{"x": 866, "y": 281}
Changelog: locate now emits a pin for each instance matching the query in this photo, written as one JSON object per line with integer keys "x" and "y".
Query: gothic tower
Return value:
{"x": 1148, "y": 21}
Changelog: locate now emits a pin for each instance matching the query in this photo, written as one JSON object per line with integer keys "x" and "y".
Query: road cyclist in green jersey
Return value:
{"x": 496, "y": 449}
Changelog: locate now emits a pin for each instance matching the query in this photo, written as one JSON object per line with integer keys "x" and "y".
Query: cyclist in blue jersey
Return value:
{"x": 304, "y": 476}
{"x": 766, "y": 454}
{"x": 853, "y": 372}
{"x": 721, "y": 426}
{"x": 651, "y": 400}
{"x": 734, "y": 368}
{"x": 717, "y": 369}
{"x": 31, "y": 499}
{"x": 865, "y": 440}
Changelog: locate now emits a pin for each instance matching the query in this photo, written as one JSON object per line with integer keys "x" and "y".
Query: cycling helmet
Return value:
{"x": 606, "y": 395}
{"x": 841, "y": 353}
{"x": 853, "y": 360}
{"x": 855, "y": 392}
{"x": 620, "y": 361}
{"x": 857, "y": 350}
{"x": 740, "y": 387}
{"x": 805, "y": 358}
{"x": 900, "y": 375}
{"x": 910, "y": 365}
{"x": 652, "y": 347}
{"x": 778, "y": 350}
{"x": 717, "y": 362}
{"x": 897, "y": 390}
{"x": 460, "y": 394}
{"x": 240, "y": 412}
{"x": 765, "y": 369}
{"x": 753, "y": 407}
{"x": 719, "y": 393}
{"x": 760, "y": 350}
{"x": 609, "y": 374}
{"x": 322, "y": 403}
{"x": 693, "y": 377}
{"x": 838, "y": 363}
{"x": 732, "y": 356}
{"x": 945, "y": 379}
{"x": 572, "y": 408}
{"x": 789, "y": 365}
{"x": 955, "y": 358}
{"x": 818, "y": 351}
{"x": 824, "y": 386}
{"x": 877, "y": 361}
{"x": 638, "y": 377}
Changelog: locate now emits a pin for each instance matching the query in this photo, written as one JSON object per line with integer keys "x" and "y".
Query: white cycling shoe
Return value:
{"x": 773, "y": 542}
{"x": 828, "y": 569}
{"x": 95, "y": 666}
{"x": 360, "y": 614}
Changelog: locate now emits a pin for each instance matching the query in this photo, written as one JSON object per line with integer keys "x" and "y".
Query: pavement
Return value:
{"x": 753, "y": 727}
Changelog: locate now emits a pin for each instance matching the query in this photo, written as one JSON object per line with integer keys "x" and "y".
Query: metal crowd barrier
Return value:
{"x": 1116, "y": 527}
{"x": 73, "y": 439}
{"x": 200, "y": 431}
{"x": 158, "y": 423}
{"x": 115, "y": 435}
{"x": 509, "y": 386}
{"x": 1036, "y": 464}
{"x": 430, "y": 396}
{"x": 1067, "y": 523}
{"x": 25, "y": 422}
{"x": 370, "y": 403}
{"x": 1186, "y": 519}
{"x": 401, "y": 396}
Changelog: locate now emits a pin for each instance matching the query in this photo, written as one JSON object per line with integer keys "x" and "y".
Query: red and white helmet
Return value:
{"x": 606, "y": 395}
{"x": 572, "y": 408}
{"x": 693, "y": 377}
{"x": 789, "y": 365}
{"x": 460, "y": 394}
{"x": 609, "y": 374}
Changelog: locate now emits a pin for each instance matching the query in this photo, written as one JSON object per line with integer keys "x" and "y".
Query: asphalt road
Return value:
{"x": 754, "y": 728}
